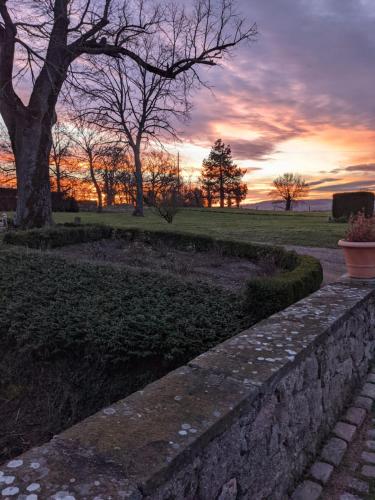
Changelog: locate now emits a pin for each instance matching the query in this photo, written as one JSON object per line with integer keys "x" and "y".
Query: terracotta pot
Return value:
{"x": 359, "y": 258}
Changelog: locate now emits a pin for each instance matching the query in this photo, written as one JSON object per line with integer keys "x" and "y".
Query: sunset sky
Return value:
{"x": 301, "y": 98}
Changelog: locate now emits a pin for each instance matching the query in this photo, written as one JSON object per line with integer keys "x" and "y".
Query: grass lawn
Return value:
{"x": 305, "y": 229}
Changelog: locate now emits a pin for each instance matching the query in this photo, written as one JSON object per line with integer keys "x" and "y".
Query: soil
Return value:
{"x": 219, "y": 270}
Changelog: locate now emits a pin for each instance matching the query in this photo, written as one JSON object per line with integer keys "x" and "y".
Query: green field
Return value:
{"x": 305, "y": 229}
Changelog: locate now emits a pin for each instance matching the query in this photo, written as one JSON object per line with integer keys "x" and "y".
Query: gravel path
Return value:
{"x": 331, "y": 259}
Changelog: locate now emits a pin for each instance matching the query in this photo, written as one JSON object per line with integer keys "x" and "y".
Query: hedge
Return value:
{"x": 58, "y": 235}
{"x": 201, "y": 243}
{"x": 75, "y": 337}
{"x": 346, "y": 204}
{"x": 116, "y": 314}
{"x": 298, "y": 277}
{"x": 270, "y": 295}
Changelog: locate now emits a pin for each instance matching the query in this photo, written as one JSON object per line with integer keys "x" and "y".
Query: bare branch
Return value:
{"x": 8, "y": 33}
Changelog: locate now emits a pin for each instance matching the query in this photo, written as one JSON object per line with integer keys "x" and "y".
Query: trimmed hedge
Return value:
{"x": 201, "y": 243}
{"x": 76, "y": 337}
{"x": 299, "y": 276}
{"x": 58, "y": 236}
{"x": 345, "y": 205}
{"x": 269, "y": 295}
{"x": 115, "y": 314}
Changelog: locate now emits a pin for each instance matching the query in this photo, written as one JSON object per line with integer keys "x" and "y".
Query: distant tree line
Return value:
{"x": 88, "y": 160}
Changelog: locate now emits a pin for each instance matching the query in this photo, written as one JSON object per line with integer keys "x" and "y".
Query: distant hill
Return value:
{"x": 301, "y": 206}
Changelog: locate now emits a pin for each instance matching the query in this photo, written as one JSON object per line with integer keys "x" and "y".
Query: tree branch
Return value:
{"x": 9, "y": 101}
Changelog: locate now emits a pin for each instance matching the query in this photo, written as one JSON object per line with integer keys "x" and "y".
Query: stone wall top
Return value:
{"x": 132, "y": 447}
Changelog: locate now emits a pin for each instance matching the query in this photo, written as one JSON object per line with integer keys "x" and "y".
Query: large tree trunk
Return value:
{"x": 31, "y": 143}
{"x": 138, "y": 210}
{"x": 30, "y": 127}
{"x": 288, "y": 204}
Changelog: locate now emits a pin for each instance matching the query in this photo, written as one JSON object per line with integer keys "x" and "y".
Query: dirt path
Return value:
{"x": 332, "y": 260}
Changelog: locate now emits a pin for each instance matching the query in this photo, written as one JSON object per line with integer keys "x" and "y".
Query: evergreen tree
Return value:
{"x": 238, "y": 192}
{"x": 221, "y": 178}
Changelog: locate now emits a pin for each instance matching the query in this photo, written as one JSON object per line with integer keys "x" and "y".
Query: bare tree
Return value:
{"x": 61, "y": 167}
{"x": 7, "y": 163}
{"x": 290, "y": 188}
{"x": 167, "y": 204}
{"x": 44, "y": 38}
{"x": 140, "y": 106}
{"x": 126, "y": 184}
{"x": 115, "y": 163}
{"x": 160, "y": 174}
{"x": 90, "y": 147}
{"x": 60, "y": 155}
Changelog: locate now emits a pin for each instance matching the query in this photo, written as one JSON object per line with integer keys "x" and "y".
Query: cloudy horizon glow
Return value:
{"x": 298, "y": 99}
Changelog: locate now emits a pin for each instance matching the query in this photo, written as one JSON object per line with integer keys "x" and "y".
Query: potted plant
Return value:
{"x": 359, "y": 247}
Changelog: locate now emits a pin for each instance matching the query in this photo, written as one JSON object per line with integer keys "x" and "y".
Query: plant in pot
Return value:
{"x": 359, "y": 247}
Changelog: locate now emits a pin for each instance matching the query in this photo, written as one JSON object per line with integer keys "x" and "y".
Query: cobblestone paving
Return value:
{"x": 345, "y": 468}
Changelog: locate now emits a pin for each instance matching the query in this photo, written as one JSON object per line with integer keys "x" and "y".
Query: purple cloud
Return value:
{"x": 311, "y": 67}
{"x": 364, "y": 167}
{"x": 349, "y": 186}
{"x": 323, "y": 181}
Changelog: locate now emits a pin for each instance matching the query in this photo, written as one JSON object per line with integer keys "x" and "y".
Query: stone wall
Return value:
{"x": 244, "y": 419}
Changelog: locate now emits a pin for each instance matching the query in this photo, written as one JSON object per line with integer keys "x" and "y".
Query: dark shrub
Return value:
{"x": 76, "y": 337}
{"x": 63, "y": 203}
{"x": 71, "y": 205}
{"x": 298, "y": 277}
{"x": 347, "y": 204}
{"x": 269, "y": 295}
{"x": 58, "y": 236}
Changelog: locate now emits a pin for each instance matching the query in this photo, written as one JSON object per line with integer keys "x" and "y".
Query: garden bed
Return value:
{"x": 76, "y": 336}
{"x": 212, "y": 267}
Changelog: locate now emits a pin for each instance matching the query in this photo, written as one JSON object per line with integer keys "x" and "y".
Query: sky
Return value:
{"x": 301, "y": 98}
